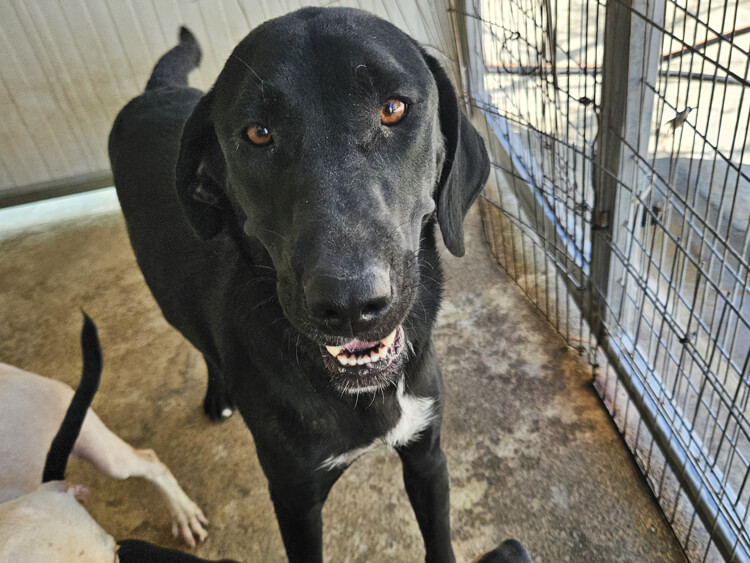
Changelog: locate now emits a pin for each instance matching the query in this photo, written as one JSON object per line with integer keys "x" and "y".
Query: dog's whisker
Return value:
{"x": 282, "y": 237}
{"x": 262, "y": 92}
{"x": 261, "y": 303}
{"x": 277, "y": 320}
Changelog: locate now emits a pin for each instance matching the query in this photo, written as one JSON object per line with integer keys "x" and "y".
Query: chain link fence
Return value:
{"x": 620, "y": 203}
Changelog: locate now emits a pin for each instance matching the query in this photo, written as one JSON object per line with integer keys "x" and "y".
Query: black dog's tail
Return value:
{"x": 65, "y": 439}
{"x": 173, "y": 68}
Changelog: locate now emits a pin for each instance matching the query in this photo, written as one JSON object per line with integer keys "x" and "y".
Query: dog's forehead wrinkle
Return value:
{"x": 335, "y": 52}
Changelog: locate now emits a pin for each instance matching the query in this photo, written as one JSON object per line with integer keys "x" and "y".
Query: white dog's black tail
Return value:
{"x": 173, "y": 68}
{"x": 65, "y": 439}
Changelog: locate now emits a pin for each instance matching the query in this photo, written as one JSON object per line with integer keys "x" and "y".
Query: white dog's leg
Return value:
{"x": 98, "y": 445}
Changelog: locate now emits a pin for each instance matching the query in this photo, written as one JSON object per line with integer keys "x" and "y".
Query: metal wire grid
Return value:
{"x": 540, "y": 110}
{"x": 669, "y": 310}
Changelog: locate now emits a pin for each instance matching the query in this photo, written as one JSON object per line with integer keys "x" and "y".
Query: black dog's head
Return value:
{"x": 331, "y": 137}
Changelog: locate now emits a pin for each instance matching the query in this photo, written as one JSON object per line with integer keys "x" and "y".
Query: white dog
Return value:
{"x": 46, "y": 523}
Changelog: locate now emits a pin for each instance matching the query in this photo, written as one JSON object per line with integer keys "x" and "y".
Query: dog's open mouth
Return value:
{"x": 358, "y": 353}
{"x": 359, "y": 365}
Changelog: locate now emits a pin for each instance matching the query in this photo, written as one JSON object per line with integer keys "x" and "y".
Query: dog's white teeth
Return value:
{"x": 347, "y": 358}
{"x": 334, "y": 350}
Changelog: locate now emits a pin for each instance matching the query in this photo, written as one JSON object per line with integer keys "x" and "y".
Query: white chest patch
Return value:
{"x": 416, "y": 415}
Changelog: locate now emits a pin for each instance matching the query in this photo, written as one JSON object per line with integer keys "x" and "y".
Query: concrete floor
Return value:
{"x": 532, "y": 453}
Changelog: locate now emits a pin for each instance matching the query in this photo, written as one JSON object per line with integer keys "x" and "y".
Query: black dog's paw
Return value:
{"x": 510, "y": 551}
{"x": 217, "y": 403}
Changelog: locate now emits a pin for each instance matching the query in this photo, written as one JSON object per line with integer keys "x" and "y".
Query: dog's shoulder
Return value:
{"x": 157, "y": 107}
{"x": 151, "y": 122}
{"x": 143, "y": 146}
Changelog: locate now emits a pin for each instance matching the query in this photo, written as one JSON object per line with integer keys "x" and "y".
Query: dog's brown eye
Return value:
{"x": 392, "y": 111}
{"x": 258, "y": 134}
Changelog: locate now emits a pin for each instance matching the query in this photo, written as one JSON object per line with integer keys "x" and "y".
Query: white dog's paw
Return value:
{"x": 189, "y": 522}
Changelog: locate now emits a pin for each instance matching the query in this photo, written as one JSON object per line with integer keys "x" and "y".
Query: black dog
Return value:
{"x": 285, "y": 222}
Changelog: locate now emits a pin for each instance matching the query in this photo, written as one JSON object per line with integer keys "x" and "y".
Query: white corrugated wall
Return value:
{"x": 68, "y": 66}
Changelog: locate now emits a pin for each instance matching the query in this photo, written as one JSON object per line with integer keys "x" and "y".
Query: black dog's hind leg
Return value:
{"x": 217, "y": 404}
{"x": 426, "y": 481}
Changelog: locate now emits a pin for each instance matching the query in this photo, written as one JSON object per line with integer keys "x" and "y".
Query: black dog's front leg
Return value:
{"x": 298, "y": 511}
{"x": 426, "y": 481}
{"x": 301, "y": 527}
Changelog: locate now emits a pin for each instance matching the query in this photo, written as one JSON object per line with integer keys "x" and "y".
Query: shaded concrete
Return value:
{"x": 532, "y": 453}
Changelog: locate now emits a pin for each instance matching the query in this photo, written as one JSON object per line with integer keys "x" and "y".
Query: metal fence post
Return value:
{"x": 632, "y": 45}
{"x": 612, "y": 116}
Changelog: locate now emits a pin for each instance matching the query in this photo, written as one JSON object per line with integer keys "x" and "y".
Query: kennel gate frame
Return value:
{"x": 633, "y": 34}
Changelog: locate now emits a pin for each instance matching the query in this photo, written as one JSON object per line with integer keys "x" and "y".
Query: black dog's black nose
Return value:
{"x": 348, "y": 305}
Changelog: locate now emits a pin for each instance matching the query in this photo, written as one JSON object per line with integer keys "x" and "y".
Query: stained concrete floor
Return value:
{"x": 531, "y": 452}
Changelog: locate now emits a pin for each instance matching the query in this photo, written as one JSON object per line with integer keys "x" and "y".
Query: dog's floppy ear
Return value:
{"x": 199, "y": 178}
{"x": 466, "y": 165}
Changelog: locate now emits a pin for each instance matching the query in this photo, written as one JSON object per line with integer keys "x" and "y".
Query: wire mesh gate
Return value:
{"x": 620, "y": 203}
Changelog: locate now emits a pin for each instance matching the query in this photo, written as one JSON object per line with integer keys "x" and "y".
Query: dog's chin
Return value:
{"x": 366, "y": 367}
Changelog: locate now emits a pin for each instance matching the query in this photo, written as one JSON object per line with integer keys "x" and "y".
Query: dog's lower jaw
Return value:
{"x": 347, "y": 384}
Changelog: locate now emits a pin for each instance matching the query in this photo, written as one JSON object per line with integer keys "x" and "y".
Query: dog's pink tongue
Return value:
{"x": 357, "y": 345}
